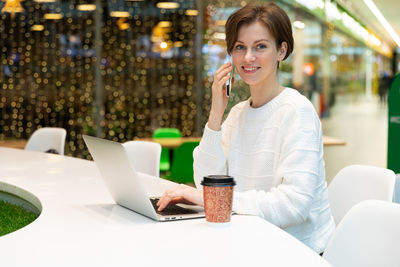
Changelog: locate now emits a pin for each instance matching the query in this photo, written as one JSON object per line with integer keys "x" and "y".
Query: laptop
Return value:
{"x": 125, "y": 186}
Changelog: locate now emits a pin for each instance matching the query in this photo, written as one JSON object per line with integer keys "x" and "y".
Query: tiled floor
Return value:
{"x": 362, "y": 123}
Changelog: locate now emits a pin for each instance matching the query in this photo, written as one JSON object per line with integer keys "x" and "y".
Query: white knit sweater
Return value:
{"x": 275, "y": 155}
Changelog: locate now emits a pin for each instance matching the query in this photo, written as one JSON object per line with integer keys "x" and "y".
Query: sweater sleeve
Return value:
{"x": 290, "y": 202}
{"x": 209, "y": 156}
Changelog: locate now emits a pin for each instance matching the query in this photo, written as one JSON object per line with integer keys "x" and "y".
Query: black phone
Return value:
{"x": 229, "y": 82}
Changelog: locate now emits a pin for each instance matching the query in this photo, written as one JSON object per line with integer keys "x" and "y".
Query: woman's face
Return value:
{"x": 255, "y": 54}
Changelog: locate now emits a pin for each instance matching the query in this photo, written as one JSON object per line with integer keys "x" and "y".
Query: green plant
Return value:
{"x": 13, "y": 217}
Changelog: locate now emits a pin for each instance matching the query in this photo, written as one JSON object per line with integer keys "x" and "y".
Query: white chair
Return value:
{"x": 368, "y": 235}
{"x": 144, "y": 156}
{"x": 356, "y": 183}
{"x": 47, "y": 139}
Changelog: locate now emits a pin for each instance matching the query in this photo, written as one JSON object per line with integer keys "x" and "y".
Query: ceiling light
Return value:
{"x": 37, "y": 27}
{"x": 178, "y": 44}
{"x": 122, "y": 24}
{"x": 191, "y": 12}
{"x": 156, "y": 39}
{"x": 220, "y": 22}
{"x": 383, "y": 21}
{"x": 45, "y": 1}
{"x": 372, "y": 39}
{"x": 312, "y": 4}
{"x": 298, "y": 24}
{"x": 53, "y": 16}
{"x": 167, "y": 5}
{"x": 86, "y": 7}
{"x": 119, "y": 14}
{"x": 165, "y": 24}
{"x": 164, "y": 45}
{"x": 219, "y": 35}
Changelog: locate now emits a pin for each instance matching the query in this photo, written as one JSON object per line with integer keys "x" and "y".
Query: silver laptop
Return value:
{"x": 124, "y": 183}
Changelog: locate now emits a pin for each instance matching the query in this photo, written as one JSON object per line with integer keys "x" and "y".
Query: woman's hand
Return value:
{"x": 181, "y": 194}
{"x": 219, "y": 98}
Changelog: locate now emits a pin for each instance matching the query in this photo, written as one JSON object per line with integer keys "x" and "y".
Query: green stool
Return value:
{"x": 165, "y": 164}
{"x": 182, "y": 165}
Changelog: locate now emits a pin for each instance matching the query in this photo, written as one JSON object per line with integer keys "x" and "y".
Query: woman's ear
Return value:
{"x": 282, "y": 51}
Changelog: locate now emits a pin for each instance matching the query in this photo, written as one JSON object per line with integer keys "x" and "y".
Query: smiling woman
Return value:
{"x": 272, "y": 143}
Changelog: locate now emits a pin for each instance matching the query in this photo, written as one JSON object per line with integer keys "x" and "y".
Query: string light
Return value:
{"x": 47, "y": 75}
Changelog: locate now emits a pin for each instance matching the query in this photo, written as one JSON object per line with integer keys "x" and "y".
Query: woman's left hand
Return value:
{"x": 181, "y": 194}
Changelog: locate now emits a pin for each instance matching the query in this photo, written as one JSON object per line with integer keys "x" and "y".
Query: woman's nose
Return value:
{"x": 249, "y": 56}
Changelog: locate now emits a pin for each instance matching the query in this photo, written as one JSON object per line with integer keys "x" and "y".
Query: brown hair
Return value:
{"x": 272, "y": 16}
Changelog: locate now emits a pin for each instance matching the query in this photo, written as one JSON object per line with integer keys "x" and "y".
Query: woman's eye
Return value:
{"x": 239, "y": 47}
{"x": 261, "y": 46}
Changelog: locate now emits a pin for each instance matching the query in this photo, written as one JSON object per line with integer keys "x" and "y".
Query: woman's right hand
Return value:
{"x": 219, "y": 99}
{"x": 181, "y": 194}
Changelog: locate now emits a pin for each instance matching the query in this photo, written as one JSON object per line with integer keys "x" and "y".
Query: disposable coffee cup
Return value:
{"x": 218, "y": 194}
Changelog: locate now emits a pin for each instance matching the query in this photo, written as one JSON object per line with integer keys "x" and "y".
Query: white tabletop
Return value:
{"x": 80, "y": 225}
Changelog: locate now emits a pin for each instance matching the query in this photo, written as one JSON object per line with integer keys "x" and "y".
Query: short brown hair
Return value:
{"x": 272, "y": 16}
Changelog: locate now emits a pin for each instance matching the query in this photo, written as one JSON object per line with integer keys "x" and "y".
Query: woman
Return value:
{"x": 272, "y": 143}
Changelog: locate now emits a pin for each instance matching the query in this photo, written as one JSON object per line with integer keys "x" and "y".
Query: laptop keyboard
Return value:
{"x": 171, "y": 209}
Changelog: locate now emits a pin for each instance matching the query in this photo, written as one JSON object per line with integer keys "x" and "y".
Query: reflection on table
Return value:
{"x": 80, "y": 225}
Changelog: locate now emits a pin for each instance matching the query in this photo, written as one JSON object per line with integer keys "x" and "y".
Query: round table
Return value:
{"x": 80, "y": 225}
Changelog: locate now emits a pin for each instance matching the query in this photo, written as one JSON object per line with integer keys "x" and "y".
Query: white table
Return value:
{"x": 81, "y": 226}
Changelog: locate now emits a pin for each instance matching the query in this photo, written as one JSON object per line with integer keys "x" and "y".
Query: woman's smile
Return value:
{"x": 250, "y": 69}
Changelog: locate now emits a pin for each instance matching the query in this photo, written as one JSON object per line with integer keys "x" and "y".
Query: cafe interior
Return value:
{"x": 139, "y": 73}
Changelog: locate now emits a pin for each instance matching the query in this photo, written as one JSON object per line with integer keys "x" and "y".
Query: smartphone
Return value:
{"x": 229, "y": 82}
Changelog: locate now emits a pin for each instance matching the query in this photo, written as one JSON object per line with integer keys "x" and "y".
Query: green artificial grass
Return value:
{"x": 13, "y": 217}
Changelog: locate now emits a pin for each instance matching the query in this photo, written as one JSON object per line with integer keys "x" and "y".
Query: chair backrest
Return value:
{"x": 166, "y": 133}
{"x": 396, "y": 193}
{"x": 356, "y": 183}
{"x": 165, "y": 164}
{"x": 47, "y": 139}
{"x": 144, "y": 156}
{"x": 182, "y": 165}
{"x": 368, "y": 235}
